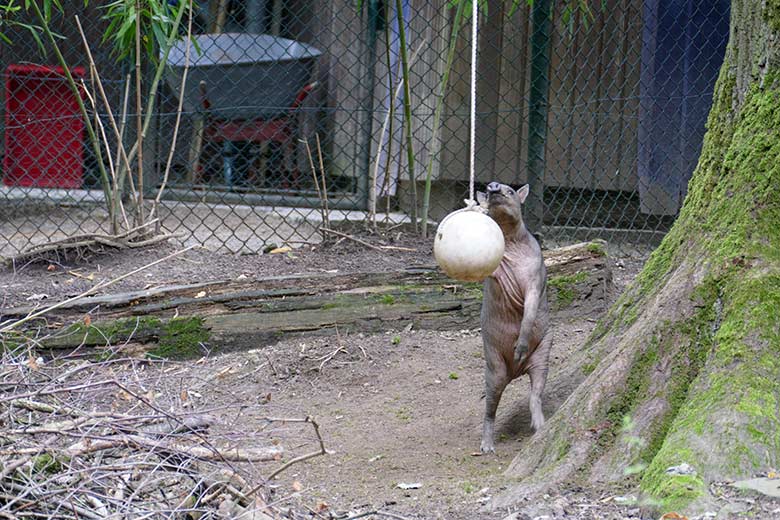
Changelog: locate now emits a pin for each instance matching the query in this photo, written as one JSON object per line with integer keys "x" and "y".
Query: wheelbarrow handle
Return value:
{"x": 304, "y": 93}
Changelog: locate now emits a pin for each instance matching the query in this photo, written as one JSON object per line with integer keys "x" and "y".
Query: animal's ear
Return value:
{"x": 482, "y": 198}
{"x": 522, "y": 193}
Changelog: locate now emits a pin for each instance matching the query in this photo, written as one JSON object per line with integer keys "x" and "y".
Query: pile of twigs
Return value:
{"x": 128, "y": 438}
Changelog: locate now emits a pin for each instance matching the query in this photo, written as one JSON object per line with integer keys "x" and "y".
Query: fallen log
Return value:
{"x": 233, "y": 315}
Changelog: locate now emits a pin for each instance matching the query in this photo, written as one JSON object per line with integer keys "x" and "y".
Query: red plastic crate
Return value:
{"x": 44, "y": 130}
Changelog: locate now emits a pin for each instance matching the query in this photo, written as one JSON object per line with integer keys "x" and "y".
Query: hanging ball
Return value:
{"x": 468, "y": 246}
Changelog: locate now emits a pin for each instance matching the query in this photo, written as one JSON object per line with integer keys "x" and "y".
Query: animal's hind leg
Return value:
{"x": 496, "y": 379}
{"x": 537, "y": 370}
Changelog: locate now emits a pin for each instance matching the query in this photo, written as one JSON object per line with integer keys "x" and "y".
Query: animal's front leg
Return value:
{"x": 530, "y": 309}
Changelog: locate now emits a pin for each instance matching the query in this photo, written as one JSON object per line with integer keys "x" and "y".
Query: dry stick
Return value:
{"x": 61, "y": 503}
{"x": 11, "y": 466}
{"x": 322, "y": 450}
{"x": 350, "y": 237}
{"x": 399, "y": 12}
{"x": 170, "y": 416}
{"x": 94, "y": 289}
{"x": 178, "y": 115}
{"x": 370, "y": 246}
{"x": 75, "y": 239}
{"x": 219, "y": 21}
{"x": 324, "y": 186}
{"x": 328, "y": 357}
{"x": 392, "y": 515}
{"x": 52, "y": 391}
{"x": 377, "y": 512}
{"x": 316, "y": 184}
{"x": 199, "y": 117}
{"x": 390, "y": 116}
{"x": 196, "y": 452}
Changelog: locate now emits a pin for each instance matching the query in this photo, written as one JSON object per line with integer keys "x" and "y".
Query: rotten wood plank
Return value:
{"x": 251, "y": 313}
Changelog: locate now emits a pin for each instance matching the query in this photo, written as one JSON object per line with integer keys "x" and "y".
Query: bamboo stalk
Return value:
{"x": 179, "y": 108}
{"x": 139, "y": 137}
{"x": 388, "y": 122}
{"x": 121, "y": 153}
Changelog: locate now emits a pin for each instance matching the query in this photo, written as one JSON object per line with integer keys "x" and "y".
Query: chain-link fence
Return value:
{"x": 600, "y": 105}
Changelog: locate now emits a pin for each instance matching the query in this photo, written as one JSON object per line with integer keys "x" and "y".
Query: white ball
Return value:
{"x": 468, "y": 246}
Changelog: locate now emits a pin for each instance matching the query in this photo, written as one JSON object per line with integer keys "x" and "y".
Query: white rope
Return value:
{"x": 473, "y": 115}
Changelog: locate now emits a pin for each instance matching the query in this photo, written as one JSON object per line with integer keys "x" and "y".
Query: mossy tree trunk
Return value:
{"x": 691, "y": 351}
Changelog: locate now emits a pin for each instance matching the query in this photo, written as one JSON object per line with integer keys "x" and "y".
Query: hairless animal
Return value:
{"x": 515, "y": 312}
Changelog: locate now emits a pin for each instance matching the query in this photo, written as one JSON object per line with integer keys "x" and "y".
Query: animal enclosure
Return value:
{"x": 601, "y": 109}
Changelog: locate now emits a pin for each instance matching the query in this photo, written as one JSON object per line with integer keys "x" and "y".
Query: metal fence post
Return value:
{"x": 537, "y": 110}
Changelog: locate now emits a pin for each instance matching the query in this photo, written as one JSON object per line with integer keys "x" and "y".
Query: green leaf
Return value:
{"x": 566, "y": 15}
{"x": 34, "y": 32}
{"x": 516, "y": 5}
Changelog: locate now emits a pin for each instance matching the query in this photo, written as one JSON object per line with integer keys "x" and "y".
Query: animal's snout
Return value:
{"x": 493, "y": 187}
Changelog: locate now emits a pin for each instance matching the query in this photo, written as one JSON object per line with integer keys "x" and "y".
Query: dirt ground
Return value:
{"x": 398, "y": 409}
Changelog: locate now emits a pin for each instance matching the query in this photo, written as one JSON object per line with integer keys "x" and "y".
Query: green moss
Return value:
{"x": 734, "y": 202}
{"x": 11, "y": 342}
{"x": 112, "y": 332}
{"x": 597, "y": 248}
{"x": 772, "y": 14}
{"x": 563, "y": 449}
{"x": 588, "y": 368}
{"x": 631, "y": 315}
{"x": 46, "y": 463}
{"x": 747, "y": 338}
{"x": 104, "y": 355}
{"x": 676, "y": 492}
{"x": 636, "y": 383}
{"x": 564, "y": 288}
{"x": 181, "y": 338}
{"x": 686, "y": 364}
{"x": 403, "y": 415}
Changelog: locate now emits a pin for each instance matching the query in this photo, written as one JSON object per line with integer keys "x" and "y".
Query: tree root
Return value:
{"x": 85, "y": 245}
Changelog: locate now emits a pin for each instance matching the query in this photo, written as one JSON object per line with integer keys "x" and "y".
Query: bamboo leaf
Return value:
{"x": 34, "y": 32}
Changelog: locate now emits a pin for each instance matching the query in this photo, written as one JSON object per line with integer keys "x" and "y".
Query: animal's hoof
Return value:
{"x": 487, "y": 447}
{"x": 537, "y": 423}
